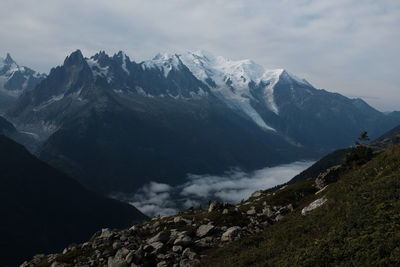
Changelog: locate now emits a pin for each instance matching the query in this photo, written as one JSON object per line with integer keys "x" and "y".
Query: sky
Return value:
{"x": 234, "y": 185}
{"x": 344, "y": 46}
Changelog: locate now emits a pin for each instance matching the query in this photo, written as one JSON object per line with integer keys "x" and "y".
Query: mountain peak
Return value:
{"x": 121, "y": 54}
{"x": 122, "y": 57}
{"x": 8, "y": 59}
{"x": 75, "y": 57}
{"x": 286, "y": 76}
{"x": 15, "y": 79}
{"x": 164, "y": 62}
{"x": 165, "y": 56}
{"x": 8, "y": 63}
{"x": 100, "y": 56}
{"x": 202, "y": 54}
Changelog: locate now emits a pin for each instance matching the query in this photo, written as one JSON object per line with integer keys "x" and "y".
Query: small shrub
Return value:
{"x": 357, "y": 156}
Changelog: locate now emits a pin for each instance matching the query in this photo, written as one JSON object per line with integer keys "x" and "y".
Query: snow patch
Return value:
{"x": 273, "y": 79}
{"x": 232, "y": 79}
{"x": 199, "y": 94}
{"x": 48, "y": 126}
{"x": 31, "y": 134}
{"x": 124, "y": 63}
{"x": 164, "y": 62}
{"x": 142, "y": 92}
{"x": 49, "y": 102}
{"x": 98, "y": 70}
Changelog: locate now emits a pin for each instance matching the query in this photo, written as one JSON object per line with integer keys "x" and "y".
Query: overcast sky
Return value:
{"x": 350, "y": 47}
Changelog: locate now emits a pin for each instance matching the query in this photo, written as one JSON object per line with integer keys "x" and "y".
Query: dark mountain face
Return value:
{"x": 26, "y": 139}
{"x": 6, "y": 126}
{"x": 43, "y": 210}
{"x": 15, "y": 79}
{"x": 115, "y": 124}
{"x": 322, "y": 120}
{"x": 120, "y": 150}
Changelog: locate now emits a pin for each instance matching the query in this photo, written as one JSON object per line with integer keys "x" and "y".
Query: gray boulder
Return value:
{"x": 204, "y": 230}
{"x": 329, "y": 176}
{"x": 313, "y": 205}
{"x": 106, "y": 233}
{"x": 231, "y": 233}
{"x": 182, "y": 240}
{"x": 116, "y": 262}
{"x": 252, "y": 211}
{"x": 257, "y": 194}
{"x": 188, "y": 254}
{"x": 160, "y": 237}
{"x": 157, "y": 246}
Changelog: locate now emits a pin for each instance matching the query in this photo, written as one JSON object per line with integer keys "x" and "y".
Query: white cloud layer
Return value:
{"x": 161, "y": 199}
{"x": 349, "y": 46}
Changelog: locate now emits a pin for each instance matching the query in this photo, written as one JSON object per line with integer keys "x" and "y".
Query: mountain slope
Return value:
{"x": 27, "y": 139}
{"x": 333, "y": 159}
{"x": 352, "y": 220}
{"x": 121, "y": 149}
{"x": 358, "y": 224}
{"x": 43, "y": 210}
{"x": 6, "y": 127}
{"x": 380, "y": 144}
{"x": 15, "y": 79}
{"x": 393, "y": 133}
{"x": 115, "y": 124}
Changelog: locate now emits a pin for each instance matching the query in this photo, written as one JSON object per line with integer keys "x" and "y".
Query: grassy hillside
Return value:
{"x": 358, "y": 225}
{"x": 330, "y": 160}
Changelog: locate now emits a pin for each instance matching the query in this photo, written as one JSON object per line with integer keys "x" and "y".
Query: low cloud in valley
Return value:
{"x": 162, "y": 199}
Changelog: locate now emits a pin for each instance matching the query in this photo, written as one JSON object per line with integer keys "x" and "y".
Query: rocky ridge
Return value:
{"x": 179, "y": 240}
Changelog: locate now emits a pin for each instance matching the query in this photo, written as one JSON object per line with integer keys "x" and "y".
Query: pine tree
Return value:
{"x": 362, "y": 139}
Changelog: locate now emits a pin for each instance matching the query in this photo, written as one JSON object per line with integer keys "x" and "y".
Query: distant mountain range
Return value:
{"x": 115, "y": 124}
{"x": 14, "y": 80}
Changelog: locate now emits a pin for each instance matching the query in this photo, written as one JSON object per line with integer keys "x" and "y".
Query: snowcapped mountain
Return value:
{"x": 14, "y": 80}
{"x": 231, "y": 81}
{"x": 239, "y": 84}
{"x": 114, "y": 124}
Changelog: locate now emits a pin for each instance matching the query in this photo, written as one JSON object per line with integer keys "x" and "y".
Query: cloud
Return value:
{"x": 349, "y": 46}
{"x": 161, "y": 199}
{"x": 152, "y": 199}
{"x": 236, "y": 185}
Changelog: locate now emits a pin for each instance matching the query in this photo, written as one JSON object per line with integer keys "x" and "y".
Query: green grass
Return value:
{"x": 358, "y": 225}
